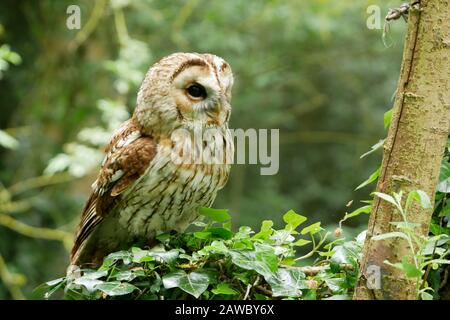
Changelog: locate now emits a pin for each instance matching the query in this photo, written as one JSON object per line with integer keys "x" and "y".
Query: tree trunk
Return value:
{"x": 414, "y": 147}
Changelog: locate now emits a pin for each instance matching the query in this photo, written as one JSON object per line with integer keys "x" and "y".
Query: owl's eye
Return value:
{"x": 196, "y": 91}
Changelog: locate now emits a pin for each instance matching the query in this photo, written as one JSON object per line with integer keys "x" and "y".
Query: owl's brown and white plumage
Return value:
{"x": 140, "y": 190}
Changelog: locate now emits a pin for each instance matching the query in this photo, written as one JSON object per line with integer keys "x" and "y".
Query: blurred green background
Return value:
{"x": 309, "y": 68}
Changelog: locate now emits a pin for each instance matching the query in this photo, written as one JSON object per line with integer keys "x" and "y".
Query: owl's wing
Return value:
{"x": 128, "y": 155}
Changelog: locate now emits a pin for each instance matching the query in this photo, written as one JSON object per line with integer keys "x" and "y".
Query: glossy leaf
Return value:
{"x": 116, "y": 288}
{"x": 194, "y": 283}
{"x": 219, "y": 215}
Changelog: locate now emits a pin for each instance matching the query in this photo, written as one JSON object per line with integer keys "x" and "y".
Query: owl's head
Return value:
{"x": 185, "y": 90}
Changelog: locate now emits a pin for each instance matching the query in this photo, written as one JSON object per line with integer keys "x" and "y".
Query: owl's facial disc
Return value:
{"x": 199, "y": 94}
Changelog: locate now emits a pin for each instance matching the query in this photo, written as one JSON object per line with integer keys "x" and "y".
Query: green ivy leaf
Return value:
{"x": 128, "y": 275}
{"x": 263, "y": 259}
{"x": 336, "y": 285}
{"x": 282, "y": 237}
{"x": 116, "y": 288}
{"x": 202, "y": 235}
{"x": 346, "y": 253}
{"x": 266, "y": 255}
{"x": 140, "y": 255}
{"x": 293, "y": 220}
{"x": 244, "y": 277}
{"x": 219, "y": 215}
{"x": 194, "y": 283}
{"x": 301, "y": 242}
{"x": 266, "y": 230}
{"x": 89, "y": 284}
{"x": 217, "y": 246}
{"x": 227, "y": 225}
{"x": 243, "y": 233}
{"x": 312, "y": 229}
{"x": 410, "y": 269}
{"x": 220, "y": 233}
{"x": 287, "y": 283}
{"x": 223, "y": 288}
{"x": 242, "y": 244}
{"x": 95, "y": 274}
{"x": 123, "y": 255}
{"x": 165, "y": 256}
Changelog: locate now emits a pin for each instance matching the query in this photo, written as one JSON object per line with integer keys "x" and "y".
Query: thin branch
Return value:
{"x": 121, "y": 26}
{"x": 264, "y": 290}
{"x": 315, "y": 247}
{"x": 11, "y": 281}
{"x": 247, "y": 292}
{"x": 90, "y": 25}
{"x": 313, "y": 270}
{"x": 249, "y": 287}
{"x": 180, "y": 21}
{"x": 38, "y": 182}
{"x": 16, "y": 206}
{"x": 36, "y": 232}
{"x": 444, "y": 279}
{"x": 397, "y": 13}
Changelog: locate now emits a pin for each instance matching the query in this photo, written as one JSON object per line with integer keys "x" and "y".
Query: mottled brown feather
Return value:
{"x": 132, "y": 159}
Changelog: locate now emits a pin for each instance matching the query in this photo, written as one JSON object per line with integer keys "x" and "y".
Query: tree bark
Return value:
{"x": 414, "y": 147}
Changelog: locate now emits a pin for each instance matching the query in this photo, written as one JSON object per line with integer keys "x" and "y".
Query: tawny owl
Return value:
{"x": 143, "y": 188}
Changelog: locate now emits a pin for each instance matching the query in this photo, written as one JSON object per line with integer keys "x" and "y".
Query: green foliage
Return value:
{"x": 84, "y": 155}
{"x": 426, "y": 252}
{"x": 212, "y": 262}
{"x": 436, "y": 276}
{"x": 7, "y": 57}
{"x": 7, "y": 141}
